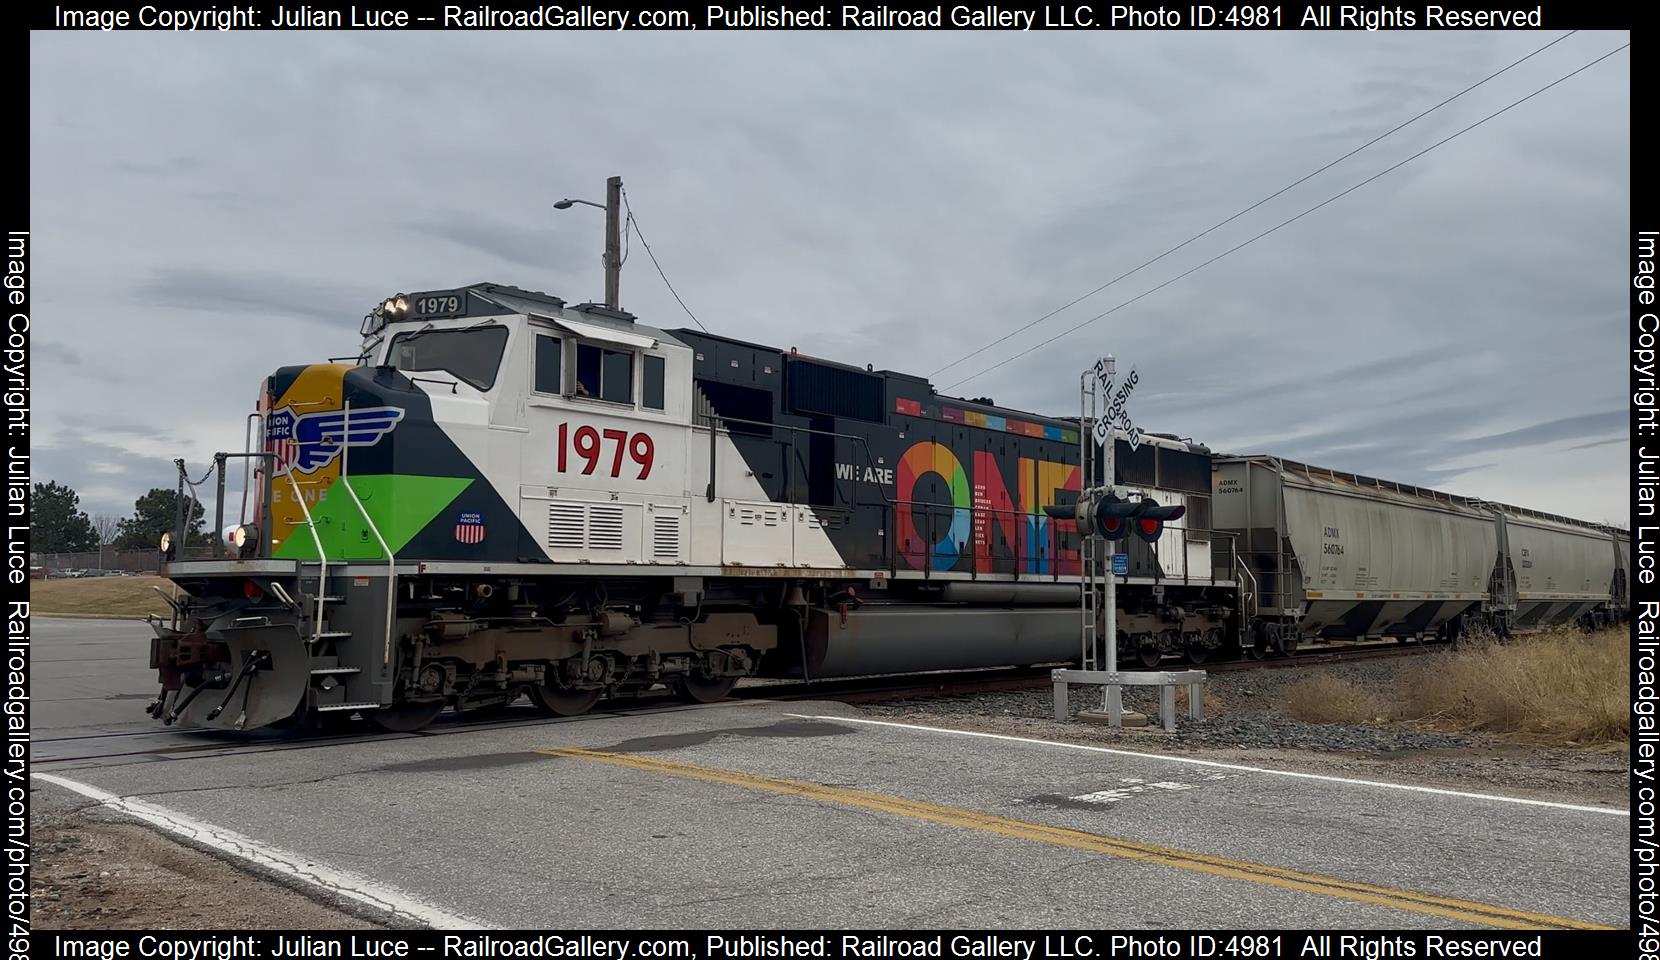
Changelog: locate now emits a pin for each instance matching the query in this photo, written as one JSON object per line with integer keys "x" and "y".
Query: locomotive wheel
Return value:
{"x": 406, "y": 716}
{"x": 1197, "y": 653}
{"x": 555, "y": 701}
{"x": 1150, "y": 655}
{"x": 704, "y": 689}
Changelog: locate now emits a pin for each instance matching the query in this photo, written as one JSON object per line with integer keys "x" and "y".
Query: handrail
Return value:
{"x": 1255, "y": 601}
{"x": 715, "y": 420}
{"x": 391, "y": 558}
{"x": 391, "y": 567}
{"x": 322, "y": 558}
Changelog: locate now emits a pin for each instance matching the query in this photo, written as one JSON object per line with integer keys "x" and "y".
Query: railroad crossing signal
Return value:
{"x": 1116, "y": 400}
{"x": 1114, "y": 517}
{"x": 1150, "y": 524}
{"x": 1109, "y": 513}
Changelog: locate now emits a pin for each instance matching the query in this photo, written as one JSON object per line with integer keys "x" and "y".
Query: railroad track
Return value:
{"x": 140, "y": 746}
{"x": 990, "y": 681}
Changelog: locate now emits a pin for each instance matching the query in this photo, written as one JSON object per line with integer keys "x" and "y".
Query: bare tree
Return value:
{"x": 104, "y": 526}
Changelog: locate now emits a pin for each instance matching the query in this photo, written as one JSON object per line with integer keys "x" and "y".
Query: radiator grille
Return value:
{"x": 665, "y": 536}
{"x": 566, "y": 525}
{"x": 605, "y": 527}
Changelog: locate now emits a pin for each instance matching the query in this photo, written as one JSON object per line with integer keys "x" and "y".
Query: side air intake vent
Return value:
{"x": 835, "y": 391}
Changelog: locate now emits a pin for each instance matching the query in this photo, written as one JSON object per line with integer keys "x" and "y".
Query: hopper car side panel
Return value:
{"x": 1341, "y": 558}
{"x": 1561, "y": 571}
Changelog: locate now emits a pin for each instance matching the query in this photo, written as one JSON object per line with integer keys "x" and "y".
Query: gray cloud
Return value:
{"x": 1566, "y": 428}
{"x": 266, "y": 294}
{"x": 214, "y": 207}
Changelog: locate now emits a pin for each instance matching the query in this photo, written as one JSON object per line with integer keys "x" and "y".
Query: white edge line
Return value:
{"x": 338, "y": 882}
{"x": 1612, "y": 811}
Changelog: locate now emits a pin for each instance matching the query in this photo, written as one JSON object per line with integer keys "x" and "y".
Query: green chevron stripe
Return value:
{"x": 400, "y": 505}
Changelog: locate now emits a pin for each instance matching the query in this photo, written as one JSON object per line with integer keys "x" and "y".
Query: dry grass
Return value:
{"x": 113, "y": 597}
{"x": 1324, "y": 698}
{"x": 1560, "y": 686}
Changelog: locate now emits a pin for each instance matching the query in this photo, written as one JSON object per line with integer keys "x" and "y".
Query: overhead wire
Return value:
{"x": 641, "y": 234}
{"x": 1284, "y": 223}
{"x": 1217, "y": 226}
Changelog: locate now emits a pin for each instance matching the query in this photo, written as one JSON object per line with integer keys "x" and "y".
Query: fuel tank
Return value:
{"x": 915, "y": 638}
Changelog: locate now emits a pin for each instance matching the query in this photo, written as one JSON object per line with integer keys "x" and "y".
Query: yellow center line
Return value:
{"x": 1465, "y": 910}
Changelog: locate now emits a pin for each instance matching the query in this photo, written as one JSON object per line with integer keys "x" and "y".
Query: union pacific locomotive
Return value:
{"x": 507, "y": 494}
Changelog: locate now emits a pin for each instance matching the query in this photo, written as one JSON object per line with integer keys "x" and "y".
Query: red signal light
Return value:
{"x": 1151, "y": 519}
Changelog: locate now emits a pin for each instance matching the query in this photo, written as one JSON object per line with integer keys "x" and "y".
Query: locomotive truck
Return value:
{"x": 505, "y": 494}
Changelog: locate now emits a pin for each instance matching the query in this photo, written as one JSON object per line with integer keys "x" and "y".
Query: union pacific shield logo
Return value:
{"x": 304, "y": 442}
{"x": 469, "y": 528}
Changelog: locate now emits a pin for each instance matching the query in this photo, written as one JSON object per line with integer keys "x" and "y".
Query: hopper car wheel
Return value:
{"x": 406, "y": 716}
{"x": 557, "y": 701}
{"x": 1262, "y": 640}
{"x": 1289, "y": 642}
{"x": 704, "y": 689}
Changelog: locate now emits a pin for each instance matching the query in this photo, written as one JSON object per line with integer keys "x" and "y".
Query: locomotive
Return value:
{"x": 504, "y": 494}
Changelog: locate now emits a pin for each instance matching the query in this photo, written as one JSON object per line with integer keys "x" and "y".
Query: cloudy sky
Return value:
{"x": 208, "y": 207}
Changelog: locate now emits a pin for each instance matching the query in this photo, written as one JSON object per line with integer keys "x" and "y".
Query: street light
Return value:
{"x": 613, "y": 234}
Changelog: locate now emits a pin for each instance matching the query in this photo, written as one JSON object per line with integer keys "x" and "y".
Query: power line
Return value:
{"x": 641, "y": 234}
{"x": 1283, "y": 223}
{"x": 1214, "y": 227}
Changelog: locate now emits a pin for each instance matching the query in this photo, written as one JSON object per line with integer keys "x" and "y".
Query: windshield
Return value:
{"x": 471, "y": 356}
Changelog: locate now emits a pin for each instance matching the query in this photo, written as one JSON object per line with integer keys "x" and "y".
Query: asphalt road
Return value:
{"x": 757, "y": 814}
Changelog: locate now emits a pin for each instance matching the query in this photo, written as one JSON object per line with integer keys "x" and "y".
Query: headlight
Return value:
{"x": 401, "y": 304}
{"x": 246, "y": 540}
{"x": 166, "y": 546}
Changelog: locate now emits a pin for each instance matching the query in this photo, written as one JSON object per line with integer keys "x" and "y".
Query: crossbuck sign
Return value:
{"x": 1115, "y": 417}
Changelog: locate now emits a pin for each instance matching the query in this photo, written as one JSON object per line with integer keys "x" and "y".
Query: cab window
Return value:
{"x": 604, "y": 374}
{"x": 472, "y": 356}
{"x": 651, "y": 382}
{"x": 549, "y": 361}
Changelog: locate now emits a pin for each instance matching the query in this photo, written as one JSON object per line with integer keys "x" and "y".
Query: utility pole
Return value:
{"x": 613, "y": 240}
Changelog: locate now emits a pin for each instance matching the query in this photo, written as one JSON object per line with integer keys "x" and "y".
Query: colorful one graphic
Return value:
{"x": 975, "y": 418}
{"x": 919, "y": 461}
{"x": 469, "y": 528}
{"x": 986, "y": 522}
{"x": 1040, "y": 481}
{"x": 305, "y": 442}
